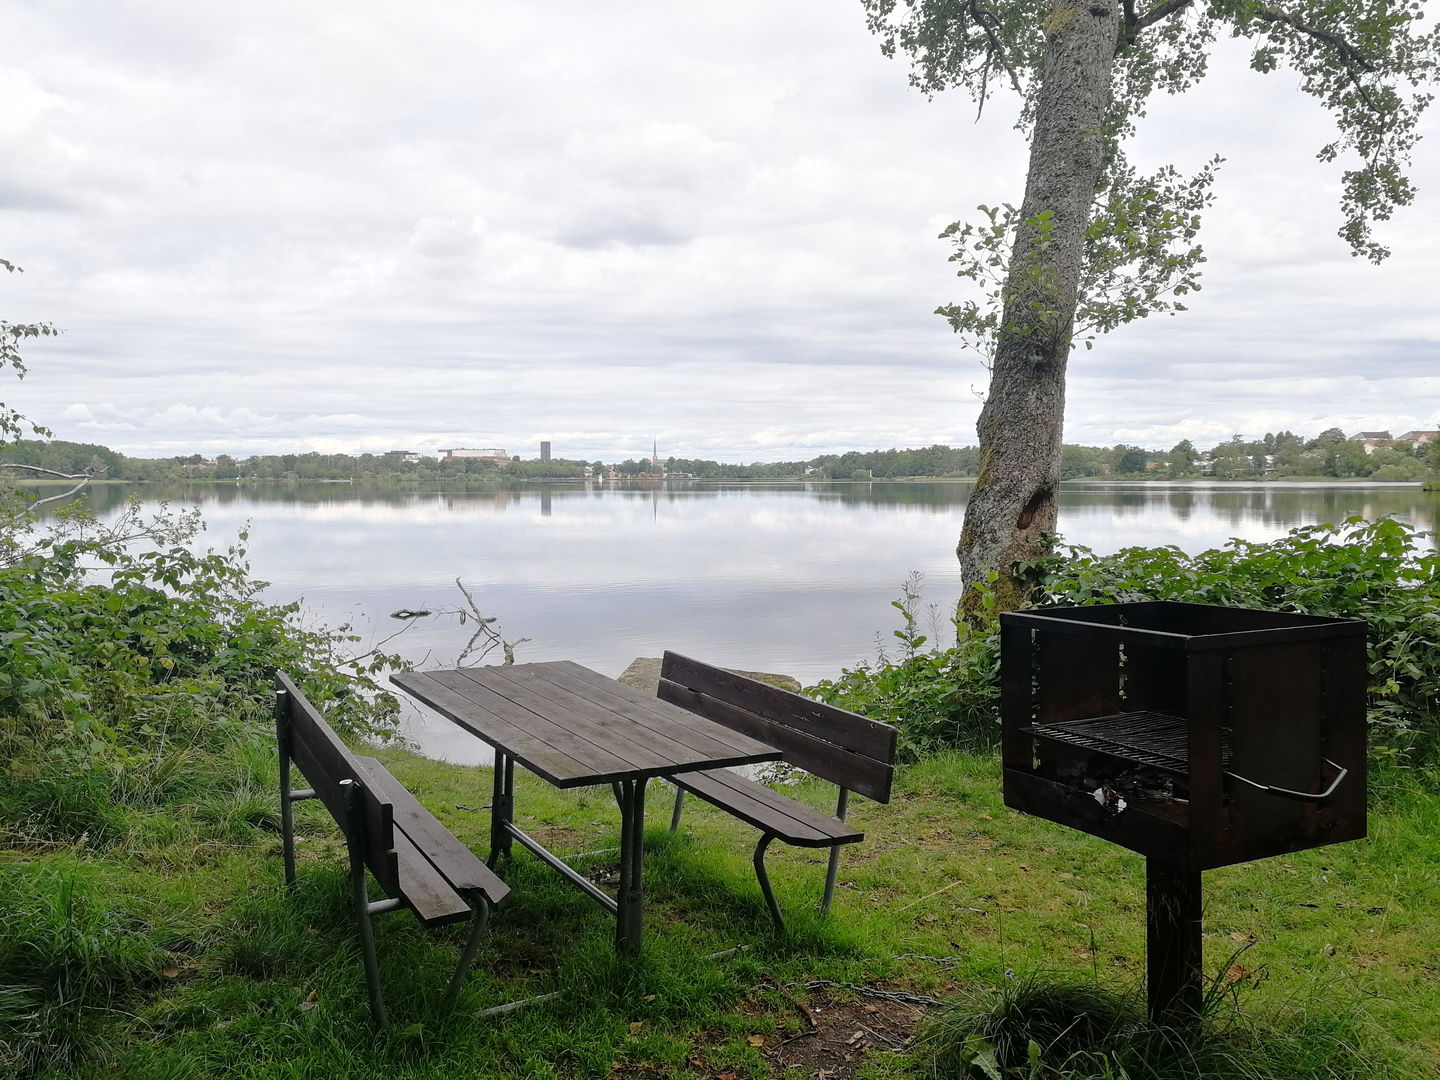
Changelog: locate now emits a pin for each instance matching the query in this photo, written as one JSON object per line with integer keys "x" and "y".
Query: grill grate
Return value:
{"x": 1146, "y": 738}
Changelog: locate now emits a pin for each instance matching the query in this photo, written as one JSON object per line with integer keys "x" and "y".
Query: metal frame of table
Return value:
{"x": 576, "y": 728}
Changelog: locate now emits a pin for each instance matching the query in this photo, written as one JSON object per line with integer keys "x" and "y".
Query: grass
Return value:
{"x": 159, "y": 943}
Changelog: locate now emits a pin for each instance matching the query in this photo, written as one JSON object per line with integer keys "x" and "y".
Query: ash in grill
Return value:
{"x": 1198, "y": 736}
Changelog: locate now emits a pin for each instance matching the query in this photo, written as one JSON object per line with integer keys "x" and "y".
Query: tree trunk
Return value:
{"x": 1014, "y": 499}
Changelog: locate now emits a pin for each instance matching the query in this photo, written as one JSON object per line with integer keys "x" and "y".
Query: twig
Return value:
{"x": 811, "y": 1027}
{"x": 482, "y": 642}
{"x": 887, "y": 1039}
{"x": 922, "y": 899}
{"x": 1352, "y": 56}
{"x": 872, "y": 991}
{"x": 511, "y": 1006}
{"x": 59, "y": 498}
{"x": 88, "y": 474}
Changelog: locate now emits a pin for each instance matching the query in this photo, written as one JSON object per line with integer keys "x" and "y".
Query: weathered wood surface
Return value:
{"x": 768, "y": 810}
{"x": 407, "y": 849}
{"x": 451, "y": 858}
{"x": 576, "y": 728}
{"x": 845, "y": 748}
{"x": 325, "y": 762}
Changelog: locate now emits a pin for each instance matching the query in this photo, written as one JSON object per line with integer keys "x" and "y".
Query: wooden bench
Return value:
{"x": 413, "y": 857}
{"x": 849, "y": 750}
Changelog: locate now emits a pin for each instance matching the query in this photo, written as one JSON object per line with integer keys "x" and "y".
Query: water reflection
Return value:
{"x": 783, "y": 577}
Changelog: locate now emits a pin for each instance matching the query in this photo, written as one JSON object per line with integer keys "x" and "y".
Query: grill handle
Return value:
{"x": 1302, "y": 796}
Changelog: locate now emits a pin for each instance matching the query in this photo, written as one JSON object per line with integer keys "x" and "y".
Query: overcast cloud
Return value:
{"x": 361, "y": 226}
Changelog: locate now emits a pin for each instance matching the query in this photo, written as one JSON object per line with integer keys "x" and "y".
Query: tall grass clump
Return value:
{"x": 68, "y": 957}
{"x": 1061, "y": 1028}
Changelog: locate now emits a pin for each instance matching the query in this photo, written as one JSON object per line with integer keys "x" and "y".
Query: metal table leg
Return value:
{"x": 502, "y": 807}
{"x": 630, "y": 794}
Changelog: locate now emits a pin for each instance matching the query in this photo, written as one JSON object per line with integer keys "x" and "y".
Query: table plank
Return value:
{"x": 543, "y": 747}
{"x": 611, "y": 734}
{"x": 678, "y": 724}
{"x": 574, "y": 727}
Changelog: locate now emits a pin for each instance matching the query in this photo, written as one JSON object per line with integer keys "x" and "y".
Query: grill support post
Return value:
{"x": 1173, "y": 947}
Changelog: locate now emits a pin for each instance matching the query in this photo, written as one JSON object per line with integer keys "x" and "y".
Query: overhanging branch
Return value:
{"x": 1160, "y": 11}
{"x": 1352, "y": 56}
{"x": 84, "y": 479}
{"x": 986, "y": 20}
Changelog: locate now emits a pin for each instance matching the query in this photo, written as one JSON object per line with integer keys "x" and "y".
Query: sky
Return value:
{"x": 714, "y": 228}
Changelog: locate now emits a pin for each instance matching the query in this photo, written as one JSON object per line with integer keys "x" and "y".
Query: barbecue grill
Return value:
{"x": 1198, "y": 736}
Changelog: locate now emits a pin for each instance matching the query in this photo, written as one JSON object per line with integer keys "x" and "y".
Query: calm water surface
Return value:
{"x": 795, "y": 578}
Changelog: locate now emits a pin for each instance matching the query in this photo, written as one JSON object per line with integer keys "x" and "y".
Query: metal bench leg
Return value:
{"x": 478, "y": 923}
{"x": 679, "y": 805}
{"x": 830, "y": 873}
{"x": 841, "y": 805}
{"x": 765, "y": 880}
{"x": 355, "y": 841}
{"x": 287, "y": 814}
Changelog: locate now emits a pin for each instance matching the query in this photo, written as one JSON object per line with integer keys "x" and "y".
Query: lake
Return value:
{"x": 794, "y": 578}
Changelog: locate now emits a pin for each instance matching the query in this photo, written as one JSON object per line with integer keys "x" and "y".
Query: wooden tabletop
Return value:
{"x": 574, "y": 727}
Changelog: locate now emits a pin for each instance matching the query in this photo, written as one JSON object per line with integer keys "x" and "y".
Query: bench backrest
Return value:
{"x": 310, "y": 742}
{"x": 840, "y": 746}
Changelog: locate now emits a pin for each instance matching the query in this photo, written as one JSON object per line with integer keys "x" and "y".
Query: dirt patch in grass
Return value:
{"x": 839, "y": 1035}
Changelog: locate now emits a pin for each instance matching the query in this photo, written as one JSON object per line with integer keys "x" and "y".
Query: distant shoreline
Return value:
{"x": 1078, "y": 481}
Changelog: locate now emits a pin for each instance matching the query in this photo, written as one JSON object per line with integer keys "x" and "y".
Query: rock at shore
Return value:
{"x": 644, "y": 674}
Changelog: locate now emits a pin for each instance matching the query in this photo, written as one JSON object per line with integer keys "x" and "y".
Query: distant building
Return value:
{"x": 1419, "y": 438}
{"x": 1372, "y": 440}
{"x": 464, "y": 453}
{"x": 401, "y": 455}
{"x": 545, "y": 450}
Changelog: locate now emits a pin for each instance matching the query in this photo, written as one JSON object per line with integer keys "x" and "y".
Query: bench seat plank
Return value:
{"x": 452, "y": 859}
{"x": 768, "y": 810}
{"x": 422, "y": 887}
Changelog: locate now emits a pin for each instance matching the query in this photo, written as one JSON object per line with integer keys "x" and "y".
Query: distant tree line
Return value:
{"x": 73, "y": 457}
{"x": 1277, "y": 455}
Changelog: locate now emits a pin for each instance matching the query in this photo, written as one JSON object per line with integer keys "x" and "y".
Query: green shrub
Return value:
{"x": 937, "y": 697}
{"x": 1376, "y": 571}
{"x": 120, "y": 688}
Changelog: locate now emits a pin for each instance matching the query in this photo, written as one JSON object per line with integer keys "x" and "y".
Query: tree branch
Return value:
{"x": 88, "y": 474}
{"x": 84, "y": 479}
{"x": 1352, "y": 56}
{"x": 1160, "y": 11}
{"x": 984, "y": 18}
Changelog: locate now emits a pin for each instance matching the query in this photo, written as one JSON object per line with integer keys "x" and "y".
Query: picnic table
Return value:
{"x": 574, "y": 727}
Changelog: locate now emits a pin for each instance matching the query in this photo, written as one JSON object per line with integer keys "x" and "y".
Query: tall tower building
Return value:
{"x": 545, "y": 450}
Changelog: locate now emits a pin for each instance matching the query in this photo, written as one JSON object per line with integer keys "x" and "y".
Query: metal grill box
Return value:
{"x": 1198, "y": 736}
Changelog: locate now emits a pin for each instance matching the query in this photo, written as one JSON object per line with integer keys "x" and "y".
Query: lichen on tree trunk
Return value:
{"x": 1013, "y": 504}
